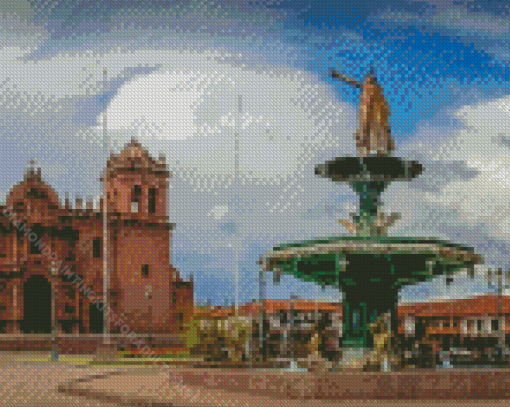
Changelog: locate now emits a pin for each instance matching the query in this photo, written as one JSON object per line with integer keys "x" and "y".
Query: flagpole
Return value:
{"x": 236, "y": 172}
{"x": 106, "y": 276}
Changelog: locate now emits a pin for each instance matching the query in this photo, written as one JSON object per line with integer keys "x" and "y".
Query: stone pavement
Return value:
{"x": 31, "y": 382}
{"x": 165, "y": 387}
{"x": 34, "y": 384}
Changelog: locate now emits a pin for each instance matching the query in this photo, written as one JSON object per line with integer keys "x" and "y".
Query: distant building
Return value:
{"x": 470, "y": 327}
{"x": 475, "y": 325}
{"x": 287, "y": 323}
{"x": 145, "y": 290}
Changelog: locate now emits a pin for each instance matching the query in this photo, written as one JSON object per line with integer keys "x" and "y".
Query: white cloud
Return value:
{"x": 190, "y": 109}
{"x": 54, "y": 170}
{"x": 19, "y": 9}
{"x": 218, "y": 212}
{"x": 187, "y": 109}
{"x": 158, "y": 106}
{"x": 481, "y": 145}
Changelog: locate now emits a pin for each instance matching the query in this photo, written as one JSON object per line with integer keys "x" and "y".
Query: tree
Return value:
{"x": 217, "y": 339}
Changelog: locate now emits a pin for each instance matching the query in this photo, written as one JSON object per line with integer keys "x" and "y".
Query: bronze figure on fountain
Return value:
{"x": 374, "y": 135}
{"x": 373, "y": 168}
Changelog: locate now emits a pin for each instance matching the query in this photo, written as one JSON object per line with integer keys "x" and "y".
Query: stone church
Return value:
{"x": 145, "y": 290}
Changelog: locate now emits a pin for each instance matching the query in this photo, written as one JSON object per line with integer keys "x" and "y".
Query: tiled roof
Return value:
{"x": 487, "y": 305}
{"x": 476, "y": 306}
{"x": 270, "y": 306}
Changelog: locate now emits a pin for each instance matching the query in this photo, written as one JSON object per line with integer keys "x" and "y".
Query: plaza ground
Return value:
{"x": 32, "y": 384}
{"x": 30, "y": 379}
{"x": 163, "y": 387}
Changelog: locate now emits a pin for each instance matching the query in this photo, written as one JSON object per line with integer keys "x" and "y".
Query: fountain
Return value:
{"x": 369, "y": 266}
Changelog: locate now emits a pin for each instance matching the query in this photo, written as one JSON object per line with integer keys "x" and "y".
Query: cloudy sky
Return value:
{"x": 175, "y": 70}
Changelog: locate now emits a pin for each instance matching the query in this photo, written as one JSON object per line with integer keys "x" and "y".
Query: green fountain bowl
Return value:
{"x": 370, "y": 271}
{"x": 371, "y": 169}
{"x": 392, "y": 262}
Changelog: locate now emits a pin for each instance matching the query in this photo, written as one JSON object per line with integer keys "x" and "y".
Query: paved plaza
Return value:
{"x": 32, "y": 380}
{"x": 158, "y": 387}
{"x": 34, "y": 384}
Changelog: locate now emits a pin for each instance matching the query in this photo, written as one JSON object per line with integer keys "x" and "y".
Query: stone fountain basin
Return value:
{"x": 416, "y": 385}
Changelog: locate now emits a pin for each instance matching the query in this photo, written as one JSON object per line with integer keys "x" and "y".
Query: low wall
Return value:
{"x": 84, "y": 344}
{"x": 71, "y": 345}
{"x": 19, "y": 344}
{"x": 419, "y": 385}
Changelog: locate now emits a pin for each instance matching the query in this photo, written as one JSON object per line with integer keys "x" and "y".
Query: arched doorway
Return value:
{"x": 37, "y": 306}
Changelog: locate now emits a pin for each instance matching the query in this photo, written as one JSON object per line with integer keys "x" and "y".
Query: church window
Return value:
{"x": 145, "y": 270}
{"x": 135, "y": 198}
{"x": 152, "y": 200}
{"x": 494, "y": 325}
{"x": 97, "y": 247}
{"x": 35, "y": 245}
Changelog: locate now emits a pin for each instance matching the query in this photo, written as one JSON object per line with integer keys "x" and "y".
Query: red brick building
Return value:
{"x": 144, "y": 289}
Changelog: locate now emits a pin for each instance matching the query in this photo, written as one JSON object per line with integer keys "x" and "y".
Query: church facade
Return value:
{"x": 39, "y": 233}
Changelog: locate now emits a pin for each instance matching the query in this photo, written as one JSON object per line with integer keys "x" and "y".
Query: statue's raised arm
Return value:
{"x": 350, "y": 81}
{"x": 374, "y": 134}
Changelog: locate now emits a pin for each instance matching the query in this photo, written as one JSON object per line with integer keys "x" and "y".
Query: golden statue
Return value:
{"x": 374, "y": 134}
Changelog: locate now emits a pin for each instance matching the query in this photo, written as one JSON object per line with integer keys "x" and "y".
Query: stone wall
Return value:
{"x": 419, "y": 385}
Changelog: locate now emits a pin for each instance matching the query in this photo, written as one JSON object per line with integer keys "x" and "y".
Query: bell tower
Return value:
{"x": 136, "y": 184}
{"x": 136, "y": 187}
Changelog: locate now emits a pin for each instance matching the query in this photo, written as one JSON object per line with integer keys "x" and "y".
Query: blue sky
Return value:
{"x": 174, "y": 70}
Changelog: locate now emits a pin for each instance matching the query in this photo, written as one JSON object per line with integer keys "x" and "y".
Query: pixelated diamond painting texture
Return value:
{"x": 254, "y": 202}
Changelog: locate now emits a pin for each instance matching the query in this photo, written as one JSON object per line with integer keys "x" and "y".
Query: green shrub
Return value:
{"x": 217, "y": 342}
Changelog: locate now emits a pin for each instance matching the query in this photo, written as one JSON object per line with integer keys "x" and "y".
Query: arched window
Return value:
{"x": 152, "y": 200}
{"x": 96, "y": 247}
{"x": 135, "y": 198}
{"x": 35, "y": 245}
{"x": 145, "y": 270}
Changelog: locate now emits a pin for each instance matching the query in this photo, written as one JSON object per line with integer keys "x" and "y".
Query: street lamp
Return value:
{"x": 499, "y": 287}
{"x": 262, "y": 285}
{"x": 236, "y": 282}
{"x": 54, "y": 324}
{"x": 237, "y": 172}
{"x": 106, "y": 272}
{"x": 293, "y": 364}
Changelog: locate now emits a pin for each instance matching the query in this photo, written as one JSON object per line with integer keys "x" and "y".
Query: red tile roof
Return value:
{"x": 270, "y": 306}
{"x": 486, "y": 305}
{"x": 476, "y": 306}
